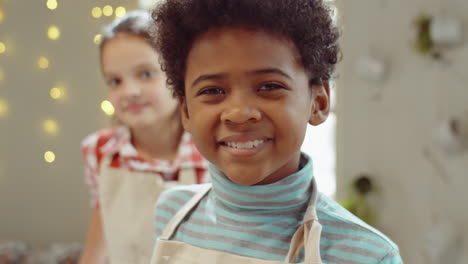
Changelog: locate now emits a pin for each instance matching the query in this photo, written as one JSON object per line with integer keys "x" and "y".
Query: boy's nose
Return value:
{"x": 240, "y": 114}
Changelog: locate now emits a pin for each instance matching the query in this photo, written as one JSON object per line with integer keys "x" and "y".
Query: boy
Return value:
{"x": 250, "y": 75}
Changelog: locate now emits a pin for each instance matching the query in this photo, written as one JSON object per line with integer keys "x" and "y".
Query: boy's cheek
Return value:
{"x": 184, "y": 114}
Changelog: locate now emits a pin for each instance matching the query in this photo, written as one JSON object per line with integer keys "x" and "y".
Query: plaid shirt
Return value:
{"x": 116, "y": 142}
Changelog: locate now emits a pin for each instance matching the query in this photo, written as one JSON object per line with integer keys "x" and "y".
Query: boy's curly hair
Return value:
{"x": 307, "y": 23}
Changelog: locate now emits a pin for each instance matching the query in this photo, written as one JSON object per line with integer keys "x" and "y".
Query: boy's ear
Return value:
{"x": 320, "y": 103}
{"x": 184, "y": 113}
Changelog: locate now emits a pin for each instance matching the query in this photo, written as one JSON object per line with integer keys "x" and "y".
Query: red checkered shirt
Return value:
{"x": 116, "y": 142}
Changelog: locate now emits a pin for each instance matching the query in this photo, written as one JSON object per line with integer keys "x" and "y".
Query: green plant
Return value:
{"x": 424, "y": 44}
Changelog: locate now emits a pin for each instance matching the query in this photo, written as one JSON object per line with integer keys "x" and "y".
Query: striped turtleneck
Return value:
{"x": 285, "y": 197}
{"x": 259, "y": 221}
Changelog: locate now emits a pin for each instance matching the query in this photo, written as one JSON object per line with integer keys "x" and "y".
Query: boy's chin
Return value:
{"x": 242, "y": 181}
{"x": 246, "y": 179}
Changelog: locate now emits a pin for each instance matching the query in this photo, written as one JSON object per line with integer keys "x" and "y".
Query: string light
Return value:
{"x": 107, "y": 107}
{"x": 4, "y": 109}
{"x": 52, "y": 4}
{"x": 107, "y": 10}
{"x": 96, "y": 12}
{"x": 53, "y": 32}
{"x": 43, "y": 63}
{"x": 49, "y": 156}
{"x": 120, "y": 11}
{"x": 97, "y": 39}
{"x": 50, "y": 127}
{"x": 2, "y": 47}
{"x": 57, "y": 93}
{"x": 2, "y": 16}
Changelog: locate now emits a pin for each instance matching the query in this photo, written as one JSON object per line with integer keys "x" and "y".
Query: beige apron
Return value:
{"x": 127, "y": 202}
{"x": 166, "y": 251}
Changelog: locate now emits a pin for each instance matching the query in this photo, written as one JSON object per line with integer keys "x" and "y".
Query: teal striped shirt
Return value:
{"x": 259, "y": 221}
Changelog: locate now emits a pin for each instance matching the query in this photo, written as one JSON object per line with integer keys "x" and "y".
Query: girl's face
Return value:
{"x": 136, "y": 84}
{"x": 247, "y": 104}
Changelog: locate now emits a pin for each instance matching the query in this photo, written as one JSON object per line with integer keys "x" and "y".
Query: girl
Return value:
{"x": 250, "y": 75}
{"x": 128, "y": 166}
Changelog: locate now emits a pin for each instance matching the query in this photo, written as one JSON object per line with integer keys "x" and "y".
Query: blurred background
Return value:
{"x": 399, "y": 123}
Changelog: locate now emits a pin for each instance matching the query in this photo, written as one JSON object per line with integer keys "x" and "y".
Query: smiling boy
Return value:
{"x": 247, "y": 103}
{"x": 250, "y": 76}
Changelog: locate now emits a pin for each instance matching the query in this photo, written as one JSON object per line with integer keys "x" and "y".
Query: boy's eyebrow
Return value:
{"x": 269, "y": 71}
{"x": 254, "y": 72}
{"x": 208, "y": 77}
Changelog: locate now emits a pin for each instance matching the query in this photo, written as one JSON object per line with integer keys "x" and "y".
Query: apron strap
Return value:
{"x": 105, "y": 163}
{"x": 307, "y": 236}
{"x": 187, "y": 176}
{"x": 312, "y": 243}
{"x": 106, "y": 160}
{"x": 180, "y": 215}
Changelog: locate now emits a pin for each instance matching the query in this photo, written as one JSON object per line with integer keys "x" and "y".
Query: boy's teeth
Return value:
{"x": 244, "y": 145}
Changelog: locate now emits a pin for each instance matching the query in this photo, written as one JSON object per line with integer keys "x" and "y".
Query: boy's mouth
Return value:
{"x": 243, "y": 145}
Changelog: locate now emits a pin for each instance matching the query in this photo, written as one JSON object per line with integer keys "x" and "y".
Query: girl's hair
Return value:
{"x": 306, "y": 23}
{"x": 137, "y": 22}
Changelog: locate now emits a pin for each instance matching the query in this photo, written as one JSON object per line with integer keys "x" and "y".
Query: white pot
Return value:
{"x": 446, "y": 31}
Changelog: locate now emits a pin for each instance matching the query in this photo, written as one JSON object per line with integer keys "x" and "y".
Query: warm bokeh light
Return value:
{"x": 43, "y": 63}
{"x": 120, "y": 11}
{"x": 96, "y": 12}
{"x": 49, "y": 156}
{"x": 3, "y": 108}
{"x": 50, "y": 126}
{"x": 2, "y": 47}
{"x": 53, "y": 32}
{"x": 107, "y": 10}
{"x": 57, "y": 93}
{"x": 52, "y": 4}
{"x": 2, "y": 16}
{"x": 97, "y": 39}
{"x": 107, "y": 107}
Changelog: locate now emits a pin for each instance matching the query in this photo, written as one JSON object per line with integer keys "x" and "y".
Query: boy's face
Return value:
{"x": 247, "y": 104}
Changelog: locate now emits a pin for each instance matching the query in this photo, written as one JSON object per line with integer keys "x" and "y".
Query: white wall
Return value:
{"x": 386, "y": 137}
{"x": 42, "y": 203}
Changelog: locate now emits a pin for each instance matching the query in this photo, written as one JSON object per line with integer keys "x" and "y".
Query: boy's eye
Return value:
{"x": 270, "y": 87}
{"x": 211, "y": 91}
